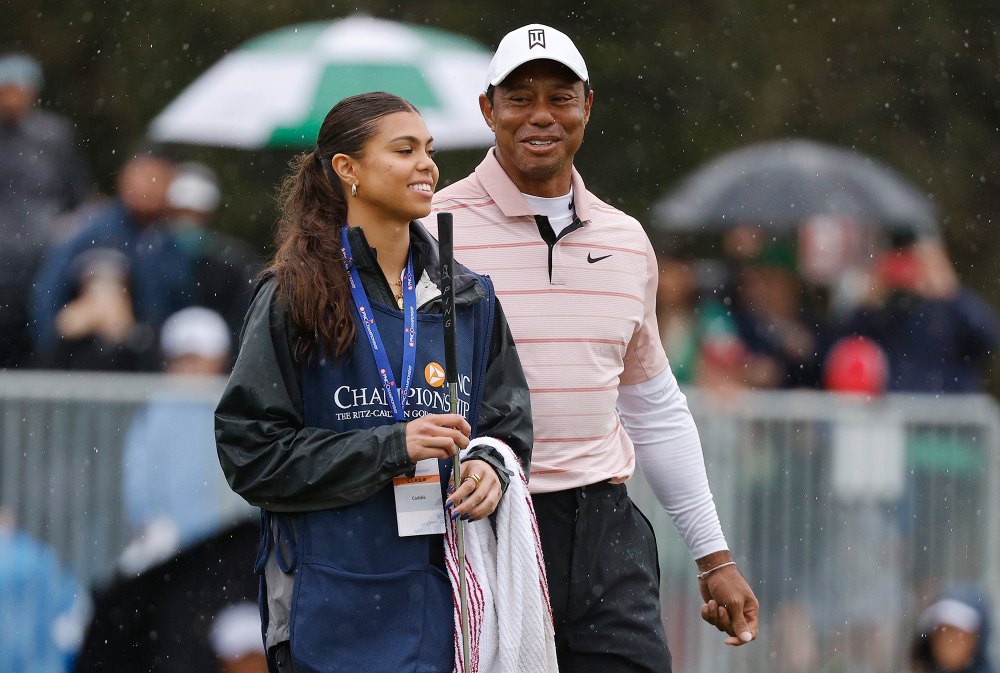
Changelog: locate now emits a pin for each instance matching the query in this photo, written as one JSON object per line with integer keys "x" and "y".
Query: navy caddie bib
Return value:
{"x": 366, "y": 599}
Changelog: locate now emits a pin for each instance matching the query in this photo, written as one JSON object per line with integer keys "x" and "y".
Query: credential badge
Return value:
{"x": 536, "y": 38}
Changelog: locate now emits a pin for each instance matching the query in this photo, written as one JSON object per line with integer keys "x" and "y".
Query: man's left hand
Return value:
{"x": 730, "y": 604}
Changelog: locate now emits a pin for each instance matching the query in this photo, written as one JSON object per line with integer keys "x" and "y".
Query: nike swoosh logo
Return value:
{"x": 592, "y": 259}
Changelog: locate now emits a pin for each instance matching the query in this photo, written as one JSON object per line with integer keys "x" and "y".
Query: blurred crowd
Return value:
{"x": 771, "y": 312}
{"x": 137, "y": 280}
{"x": 781, "y": 311}
{"x": 142, "y": 280}
{"x": 88, "y": 280}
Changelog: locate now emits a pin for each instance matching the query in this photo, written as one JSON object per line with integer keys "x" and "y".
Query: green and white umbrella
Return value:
{"x": 275, "y": 89}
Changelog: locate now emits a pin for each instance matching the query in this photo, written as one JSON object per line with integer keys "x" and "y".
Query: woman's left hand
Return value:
{"x": 475, "y": 499}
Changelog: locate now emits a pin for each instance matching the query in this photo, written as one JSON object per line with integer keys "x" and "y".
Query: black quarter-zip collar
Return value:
{"x": 548, "y": 235}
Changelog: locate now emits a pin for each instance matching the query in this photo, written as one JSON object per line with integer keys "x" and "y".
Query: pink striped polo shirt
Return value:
{"x": 581, "y": 333}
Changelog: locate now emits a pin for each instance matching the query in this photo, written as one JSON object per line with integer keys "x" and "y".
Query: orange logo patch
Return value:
{"x": 434, "y": 373}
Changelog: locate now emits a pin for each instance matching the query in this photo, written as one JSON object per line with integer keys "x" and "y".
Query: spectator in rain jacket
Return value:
{"x": 42, "y": 607}
{"x": 936, "y": 334}
{"x": 160, "y": 274}
{"x": 43, "y": 176}
{"x": 224, "y": 267}
{"x": 174, "y": 492}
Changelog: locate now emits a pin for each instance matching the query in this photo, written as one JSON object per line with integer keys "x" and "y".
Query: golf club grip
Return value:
{"x": 446, "y": 246}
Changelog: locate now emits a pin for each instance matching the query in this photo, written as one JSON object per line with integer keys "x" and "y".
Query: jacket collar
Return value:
{"x": 426, "y": 259}
{"x": 421, "y": 239}
{"x": 508, "y": 197}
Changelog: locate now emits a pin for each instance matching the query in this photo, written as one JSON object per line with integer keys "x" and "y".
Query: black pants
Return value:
{"x": 604, "y": 581}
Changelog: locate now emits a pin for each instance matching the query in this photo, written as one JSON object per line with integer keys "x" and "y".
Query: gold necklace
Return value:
{"x": 399, "y": 296}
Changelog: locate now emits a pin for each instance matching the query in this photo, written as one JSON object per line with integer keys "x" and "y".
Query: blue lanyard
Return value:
{"x": 395, "y": 395}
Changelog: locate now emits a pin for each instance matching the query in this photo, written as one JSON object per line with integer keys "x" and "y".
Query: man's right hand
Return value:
{"x": 436, "y": 436}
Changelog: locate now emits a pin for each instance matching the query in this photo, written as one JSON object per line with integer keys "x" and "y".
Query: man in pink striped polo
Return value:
{"x": 577, "y": 279}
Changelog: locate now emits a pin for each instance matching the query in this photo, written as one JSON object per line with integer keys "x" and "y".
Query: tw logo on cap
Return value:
{"x": 536, "y": 38}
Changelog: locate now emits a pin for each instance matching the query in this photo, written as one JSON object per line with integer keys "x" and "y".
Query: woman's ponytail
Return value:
{"x": 309, "y": 262}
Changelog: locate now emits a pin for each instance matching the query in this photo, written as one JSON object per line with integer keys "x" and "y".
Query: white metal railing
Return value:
{"x": 846, "y": 514}
{"x": 61, "y": 441}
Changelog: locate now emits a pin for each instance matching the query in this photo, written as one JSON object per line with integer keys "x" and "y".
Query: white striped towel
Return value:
{"x": 510, "y": 618}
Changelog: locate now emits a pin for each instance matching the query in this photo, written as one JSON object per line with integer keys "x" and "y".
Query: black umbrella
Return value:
{"x": 779, "y": 184}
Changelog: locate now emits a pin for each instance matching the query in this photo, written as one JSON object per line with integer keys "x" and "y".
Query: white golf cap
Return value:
{"x": 236, "y": 631}
{"x": 20, "y": 70}
{"x": 195, "y": 331}
{"x": 194, "y": 187}
{"x": 951, "y": 612}
{"x": 530, "y": 43}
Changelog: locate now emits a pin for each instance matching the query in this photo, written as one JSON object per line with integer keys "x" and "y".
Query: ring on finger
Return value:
{"x": 474, "y": 477}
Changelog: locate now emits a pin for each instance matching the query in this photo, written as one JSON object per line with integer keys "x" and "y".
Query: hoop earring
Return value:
{"x": 354, "y": 191}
